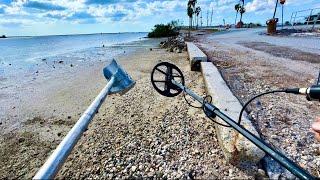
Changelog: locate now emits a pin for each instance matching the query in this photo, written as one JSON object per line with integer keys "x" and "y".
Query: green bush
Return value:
{"x": 162, "y": 30}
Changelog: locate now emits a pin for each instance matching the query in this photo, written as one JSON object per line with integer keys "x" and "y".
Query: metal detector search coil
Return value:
{"x": 168, "y": 72}
{"x": 170, "y": 88}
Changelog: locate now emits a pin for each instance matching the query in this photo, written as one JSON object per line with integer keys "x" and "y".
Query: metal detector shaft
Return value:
{"x": 60, "y": 154}
{"x": 276, "y": 155}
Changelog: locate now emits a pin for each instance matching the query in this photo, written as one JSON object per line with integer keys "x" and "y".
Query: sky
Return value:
{"x": 51, "y": 17}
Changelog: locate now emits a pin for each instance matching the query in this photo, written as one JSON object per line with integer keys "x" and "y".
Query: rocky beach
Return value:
{"x": 144, "y": 135}
{"x": 139, "y": 134}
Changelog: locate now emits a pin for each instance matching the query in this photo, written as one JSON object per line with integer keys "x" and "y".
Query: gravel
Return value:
{"x": 283, "y": 120}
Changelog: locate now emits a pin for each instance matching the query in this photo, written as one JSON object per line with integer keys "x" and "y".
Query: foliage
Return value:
{"x": 287, "y": 23}
{"x": 252, "y": 25}
{"x": 237, "y": 7}
{"x": 190, "y": 11}
{"x": 162, "y": 30}
{"x": 3, "y": 36}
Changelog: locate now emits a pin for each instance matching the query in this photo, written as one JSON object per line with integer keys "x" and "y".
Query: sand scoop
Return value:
{"x": 118, "y": 82}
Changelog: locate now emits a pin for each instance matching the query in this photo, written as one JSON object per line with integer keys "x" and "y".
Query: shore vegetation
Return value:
{"x": 165, "y": 30}
{"x": 3, "y": 36}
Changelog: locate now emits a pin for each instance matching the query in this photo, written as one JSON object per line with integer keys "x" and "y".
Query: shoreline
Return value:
{"x": 139, "y": 134}
{"x": 20, "y": 94}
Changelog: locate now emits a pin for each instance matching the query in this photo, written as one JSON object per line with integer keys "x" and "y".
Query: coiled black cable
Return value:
{"x": 206, "y": 99}
{"x": 259, "y": 95}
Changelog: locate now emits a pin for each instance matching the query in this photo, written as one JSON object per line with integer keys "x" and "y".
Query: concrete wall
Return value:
{"x": 195, "y": 56}
{"x": 236, "y": 148}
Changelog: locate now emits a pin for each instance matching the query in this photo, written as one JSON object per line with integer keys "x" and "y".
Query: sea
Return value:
{"x": 23, "y": 54}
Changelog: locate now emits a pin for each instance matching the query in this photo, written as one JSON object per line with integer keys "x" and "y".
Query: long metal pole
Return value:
{"x": 275, "y": 9}
{"x": 60, "y": 154}
{"x": 282, "y": 15}
{"x": 276, "y": 155}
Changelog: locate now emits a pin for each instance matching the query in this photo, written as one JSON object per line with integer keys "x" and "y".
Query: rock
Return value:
{"x": 60, "y": 62}
{"x": 133, "y": 168}
{"x": 174, "y": 44}
{"x": 69, "y": 117}
{"x": 21, "y": 140}
{"x": 71, "y": 65}
{"x": 261, "y": 174}
{"x": 273, "y": 168}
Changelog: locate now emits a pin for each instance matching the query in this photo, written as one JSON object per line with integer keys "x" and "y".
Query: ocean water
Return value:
{"x": 23, "y": 54}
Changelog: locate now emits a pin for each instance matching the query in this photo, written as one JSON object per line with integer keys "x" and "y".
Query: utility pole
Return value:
{"x": 207, "y": 17}
{"x": 201, "y": 19}
{"x": 211, "y": 16}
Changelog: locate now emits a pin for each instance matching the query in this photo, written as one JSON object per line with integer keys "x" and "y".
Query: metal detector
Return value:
{"x": 119, "y": 82}
{"x": 168, "y": 80}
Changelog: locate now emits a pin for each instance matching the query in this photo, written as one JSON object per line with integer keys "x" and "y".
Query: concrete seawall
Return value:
{"x": 195, "y": 56}
{"x": 236, "y": 148}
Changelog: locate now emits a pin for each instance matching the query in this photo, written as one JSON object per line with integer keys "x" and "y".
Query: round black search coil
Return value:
{"x": 162, "y": 76}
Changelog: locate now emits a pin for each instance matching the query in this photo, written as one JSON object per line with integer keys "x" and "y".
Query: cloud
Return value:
{"x": 80, "y": 15}
{"x": 103, "y": 2}
{"x": 82, "y": 18}
{"x": 11, "y": 24}
{"x": 118, "y": 16}
{"x": 43, "y": 6}
{"x": 260, "y": 5}
{"x": 54, "y": 16}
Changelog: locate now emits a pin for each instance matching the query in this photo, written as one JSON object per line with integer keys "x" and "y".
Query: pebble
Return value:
{"x": 133, "y": 168}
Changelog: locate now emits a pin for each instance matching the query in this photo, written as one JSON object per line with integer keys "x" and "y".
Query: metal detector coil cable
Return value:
{"x": 172, "y": 87}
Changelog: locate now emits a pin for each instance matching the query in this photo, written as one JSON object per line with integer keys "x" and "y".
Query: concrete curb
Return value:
{"x": 236, "y": 148}
{"x": 195, "y": 56}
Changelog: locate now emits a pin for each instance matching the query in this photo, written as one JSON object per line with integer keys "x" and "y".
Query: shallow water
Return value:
{"x": 23, "y": 54}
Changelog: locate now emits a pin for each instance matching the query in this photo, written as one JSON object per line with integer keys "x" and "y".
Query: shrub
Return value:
{"x": 162, "y": 30}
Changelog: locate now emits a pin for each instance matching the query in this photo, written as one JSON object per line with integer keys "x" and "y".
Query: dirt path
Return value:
{"x": 284, "y": 120}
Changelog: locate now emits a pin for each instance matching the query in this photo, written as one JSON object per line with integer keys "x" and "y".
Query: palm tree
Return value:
{"x": 237, "y": 8}
{"x": 242, "y": 11}
{"x": 190, "y": 13}
{"x": 197, "y": 12}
